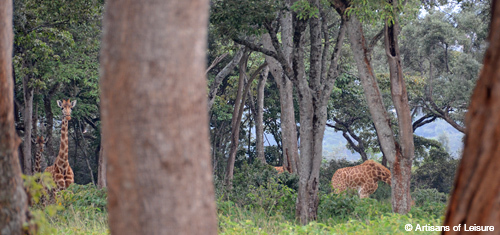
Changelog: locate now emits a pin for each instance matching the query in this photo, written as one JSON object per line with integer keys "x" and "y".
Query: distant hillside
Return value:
{"x": 334, "y": 143}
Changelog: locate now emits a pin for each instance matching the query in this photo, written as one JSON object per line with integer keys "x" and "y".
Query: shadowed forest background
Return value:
{"x": 286, "y": 86}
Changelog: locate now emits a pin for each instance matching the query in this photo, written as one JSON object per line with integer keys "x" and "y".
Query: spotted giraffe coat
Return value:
{"x": 363, "y": 178}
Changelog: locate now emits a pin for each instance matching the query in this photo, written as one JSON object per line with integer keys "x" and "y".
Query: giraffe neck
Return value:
{"x": 38, "y": 160}
{"x": 63, "y": 147}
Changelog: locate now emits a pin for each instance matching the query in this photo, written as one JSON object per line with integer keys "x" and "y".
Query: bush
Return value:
{"x": 430, "y": 201}
{"x": 259, "y": 186}
{"x": 436, "y": 171}
{"x": 343, "y": 207}
{"x": 84, "y": 196}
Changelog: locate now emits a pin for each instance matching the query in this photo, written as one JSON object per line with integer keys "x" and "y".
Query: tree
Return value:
{"x": 399, "y": 152}
{"x": 154, "y": 117}
{"x": 477, "y": 189}
{"x": 313, "y": 86}
{"x": 12, "y": 196}
{"x": 239, "y": 105}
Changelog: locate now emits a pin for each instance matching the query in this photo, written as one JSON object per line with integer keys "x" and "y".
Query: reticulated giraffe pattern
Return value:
{"x": 363, "y": 178}
{"x": 40, "y": 144}
{"x": 61, "y": 170}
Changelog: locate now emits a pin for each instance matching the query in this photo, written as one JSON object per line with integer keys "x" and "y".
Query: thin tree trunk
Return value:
{"x": 238, "y": 113}
{"x": 28, "y": 119}
{"x": 101, "y": 171}
{"x": 214, "y": 87}
{"x": 236, "y": 119}
{"x": 154, "y": 118}
{"x": 475, "y": 198}
{"x": 259, "y": 120}
{"x": 13, "y": 199}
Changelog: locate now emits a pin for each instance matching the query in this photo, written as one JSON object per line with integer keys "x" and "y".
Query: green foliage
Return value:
{"x": 381, "y": 10}
{"x": 430, "y": 201}
{"x": 37, "y": 186}
{"x": 305, "y": 10}
{"x": 233, "y": 18}
{"x": 85, "y": 197}
{"x": 339, "y": 208}
{"x": 436, "y": 171}
{"x": 338, "y": 214}
{"x": 258, "y": 186}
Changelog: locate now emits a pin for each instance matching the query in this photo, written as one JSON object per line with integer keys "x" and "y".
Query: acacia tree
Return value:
{"x": 154, "y": 117}
{"x": 476, "y": 190}
{"x": 12, "y": 196}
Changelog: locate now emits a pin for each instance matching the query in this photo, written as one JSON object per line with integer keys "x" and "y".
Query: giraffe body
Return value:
{"x": 363, "y": 178}
{"x": 280, "y": 169}
{"x": 61, "y": 170}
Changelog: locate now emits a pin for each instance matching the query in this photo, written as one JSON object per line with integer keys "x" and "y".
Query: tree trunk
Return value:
{"x": 259, "y": 120}
{"x": 474, "y": 200}
{"x": 236, "y": 119}
{"x": 287, "y": 116}
{"x": 13, "y": 198}
{"x": 101, "y": 171}
{"x": 378, "y": 112}
{"x": 395, "y": 154}
{"x": 401, "y": 175}
{"x": 238, "y": 114}
{"x": 154, "y": 118}
{"x": 313, "y": 94}
{"x": 28, "y": 119}
{"x": 214, "y": 87}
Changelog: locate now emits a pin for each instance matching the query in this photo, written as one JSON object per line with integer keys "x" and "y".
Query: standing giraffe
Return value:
{"x": 61, "y": 171}
{"x": 40, "y": 143}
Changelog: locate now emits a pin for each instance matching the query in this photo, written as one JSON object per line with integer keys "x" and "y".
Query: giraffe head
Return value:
{"x": 66, "y": 106}
{"x": 40, "y": 142}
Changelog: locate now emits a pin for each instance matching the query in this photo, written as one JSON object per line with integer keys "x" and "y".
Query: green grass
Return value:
{"x": 267, "y": 209}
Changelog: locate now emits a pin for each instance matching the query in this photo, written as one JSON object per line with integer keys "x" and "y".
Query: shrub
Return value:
{"x": 430, "y": 201}
{"x": 259, "y": 186}
{"x": 84, "y": 196}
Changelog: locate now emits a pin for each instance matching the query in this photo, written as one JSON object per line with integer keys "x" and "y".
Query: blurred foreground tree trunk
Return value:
{"x": 476, "y": 194}
{"x": 154, "y": 118}
{"x": 13, "y": 200}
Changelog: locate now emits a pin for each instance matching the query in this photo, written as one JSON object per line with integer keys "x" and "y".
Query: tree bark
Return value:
{"x": 214, "y": 87}
{"x": 401, "y": 175}
{"x": 28, "y": 119}
{"x": 259, "y": 120}
{"x": 154, "y": 118}
{"x": 101, "y": 171}
{"x": 289, "y": 142}
{"x": 399, "y": 155}
{"x": 13, "y": 199}
{"x": 475, "y": 198}
{"x": 238, "y": 114}
{"x": 236, "y": 119}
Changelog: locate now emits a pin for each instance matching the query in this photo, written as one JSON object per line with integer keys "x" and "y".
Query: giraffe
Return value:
{"x": 362, "y": 177}
{"x": 61, "y": 170}
{"x": 287, "y": 168}
{"x": 40, "y": 143}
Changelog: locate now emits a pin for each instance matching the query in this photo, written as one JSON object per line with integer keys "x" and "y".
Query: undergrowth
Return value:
{"x": 260, "y": 202}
